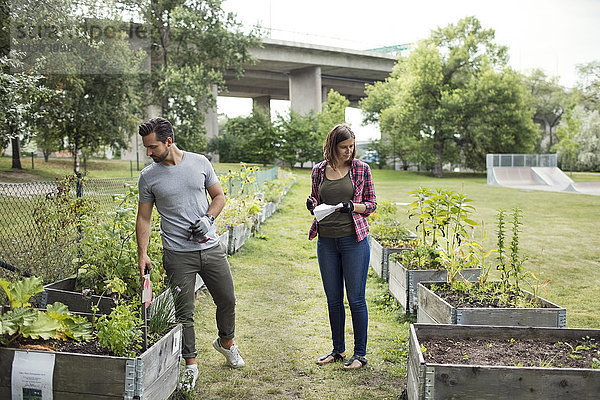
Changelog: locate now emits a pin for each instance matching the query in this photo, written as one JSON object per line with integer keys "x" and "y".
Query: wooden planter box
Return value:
{"x": 64, "y": 291}
{"x": 263, "y": 213}
{"x": 474, "y": 382}
{"x": 434, "y": 309}
{"x": 152, "y": 375}
{"x": 403, "y": 282}
{"x": 270, "y": 208}
{"x": 237, "y": 237}
{"x": 380, "y": 258}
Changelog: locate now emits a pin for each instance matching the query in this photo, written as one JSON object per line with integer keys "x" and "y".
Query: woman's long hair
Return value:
{"x": 337, "y": 134}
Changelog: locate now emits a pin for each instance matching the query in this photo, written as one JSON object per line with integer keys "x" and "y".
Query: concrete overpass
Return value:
{"x": 303, "y": 73}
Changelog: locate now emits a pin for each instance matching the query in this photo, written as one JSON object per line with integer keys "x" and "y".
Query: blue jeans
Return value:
{"x": 344, "y": 260}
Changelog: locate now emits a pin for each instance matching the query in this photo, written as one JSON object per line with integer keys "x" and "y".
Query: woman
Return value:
{"x": 342, "y": 246}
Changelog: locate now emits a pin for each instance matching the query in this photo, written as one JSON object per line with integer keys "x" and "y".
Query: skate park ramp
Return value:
{"x": 540, "y": 178}
{"x": 584, "y": 187}
{"x": 533, "y": 172}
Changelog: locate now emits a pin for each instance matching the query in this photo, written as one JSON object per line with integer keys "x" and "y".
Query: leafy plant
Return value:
{"x": 421, "y": 257}
{"x": 24, "y": 321}
{"x": 163, "y": 310}
{"x": 52, "y": 239}
{"x": 120, "y": 331}
{"x": 391, "y": 235}
{"x": 510, "y": 266}
{"x": 443, "y": 217}
{"x": 109, "y": 251}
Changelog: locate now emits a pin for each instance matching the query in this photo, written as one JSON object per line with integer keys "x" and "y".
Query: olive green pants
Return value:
{"x": 212, "y": 266}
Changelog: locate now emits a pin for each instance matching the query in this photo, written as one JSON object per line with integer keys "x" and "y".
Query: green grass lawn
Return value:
{"x": 281, "y": 314}
{"x": 97, "y": 169}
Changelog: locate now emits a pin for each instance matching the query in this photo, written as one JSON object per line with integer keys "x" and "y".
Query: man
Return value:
{"x": 177, "y": 183}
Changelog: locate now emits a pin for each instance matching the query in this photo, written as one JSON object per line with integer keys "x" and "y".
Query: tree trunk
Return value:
{"x": 438, "y": 149}
{"x": 16, "y": 153}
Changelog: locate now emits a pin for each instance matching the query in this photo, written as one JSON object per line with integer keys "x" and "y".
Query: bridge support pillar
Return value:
{"x": 211, "y": 123}
{"x": 263, "y": 102}
{"x": 305, "y": 90}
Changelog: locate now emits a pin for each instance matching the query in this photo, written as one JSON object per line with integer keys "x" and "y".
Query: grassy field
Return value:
{"x": 56, "y": 168}
{"x": 281, "y": 315}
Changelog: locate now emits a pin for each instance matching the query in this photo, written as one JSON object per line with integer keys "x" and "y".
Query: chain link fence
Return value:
{"x": 42, "y": 222}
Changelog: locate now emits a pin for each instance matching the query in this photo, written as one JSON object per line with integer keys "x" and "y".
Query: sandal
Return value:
{"x": 350, "y": 364}
{"x": 331, "y": 357}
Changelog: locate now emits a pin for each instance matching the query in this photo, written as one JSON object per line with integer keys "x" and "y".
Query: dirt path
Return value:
{"x": 282, "y": 324}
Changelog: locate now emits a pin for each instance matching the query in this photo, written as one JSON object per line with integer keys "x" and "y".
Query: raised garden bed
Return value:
{"x": 380, "y": 255}
{"x": 237, "y": 237}
{"x": 403, "y": 282}
{"x": 65, "y": 292}
{"x": 152, "y": 375}
{"x": 489, "y": 377}
{"x": 434, "y": 309}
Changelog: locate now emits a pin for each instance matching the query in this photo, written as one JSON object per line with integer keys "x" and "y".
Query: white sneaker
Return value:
{"x": 234, "y": 359}
{"x": 187, "y": 380}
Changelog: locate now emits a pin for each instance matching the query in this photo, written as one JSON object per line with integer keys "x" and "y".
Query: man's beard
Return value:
{"x": 162, "y": 157}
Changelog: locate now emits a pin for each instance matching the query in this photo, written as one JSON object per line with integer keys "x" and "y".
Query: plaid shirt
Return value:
{"x": 364, "y": 193}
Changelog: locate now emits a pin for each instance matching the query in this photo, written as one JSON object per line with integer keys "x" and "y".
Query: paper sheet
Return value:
{"x": 323, "y": 210}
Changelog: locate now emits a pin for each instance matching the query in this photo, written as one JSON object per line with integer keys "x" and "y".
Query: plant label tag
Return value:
{"x": 32, "y": 374}
{"x": 147, "y": 291}
{"x": 176, "y": 342}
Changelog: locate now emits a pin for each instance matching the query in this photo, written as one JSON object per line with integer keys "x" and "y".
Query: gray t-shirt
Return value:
{"x": 179, "y": 193}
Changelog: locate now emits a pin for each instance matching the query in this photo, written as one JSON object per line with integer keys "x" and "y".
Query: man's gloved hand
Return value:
{"x": 199, "y": 229}
{"x": 311, "y": 204}
{"x": 347, "y": 207}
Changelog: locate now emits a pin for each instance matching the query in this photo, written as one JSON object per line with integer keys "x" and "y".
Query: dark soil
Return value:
{"x": 523, "y": 352}
{"x": 492, "y": 297}
{"x": 70, "y": 346}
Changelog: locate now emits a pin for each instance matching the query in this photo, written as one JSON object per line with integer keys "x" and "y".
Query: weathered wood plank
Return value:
{"x": 429, "y": 331}
{"x": 376, "y": 260}
{"x": 403, "y": 282}
{"x": 434, "y": 306}
{"x": 547, "y": 315}
{"x": 77, "y": 373}
{"x": 507, "y": 316}
{"x": 482, "y": 382}
{"x": 64, "y": 292}
{"x": 85, "y": 376}
{"x": 493, "y": 382}
{"x": 161, "y": 356}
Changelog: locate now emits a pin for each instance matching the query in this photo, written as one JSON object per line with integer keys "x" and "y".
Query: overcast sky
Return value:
{"x": 553, "y": 35}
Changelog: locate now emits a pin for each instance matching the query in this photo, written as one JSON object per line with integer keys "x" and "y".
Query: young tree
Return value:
{"x": 248, "y": 139}
{"x": 498, "y": 118}
{"x": 589, "y": 84}
{"x": 588, "y": 139}
{"x": 383, "y": 150}
{"x": 332, "y": 114}
{"x": 550, "y": 100}
{"x": 567, "y": 148}
{"x": 298, "y": 136}
{"x": 195, "y": 42}
{"x": 432, "y": 95}
{"x": 19, "y": 94}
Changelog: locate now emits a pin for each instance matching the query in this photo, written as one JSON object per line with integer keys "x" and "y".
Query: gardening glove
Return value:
{"x": 199, "y": 229}
{"x": 310, "y": 204}
{"x": 347, "y": 207}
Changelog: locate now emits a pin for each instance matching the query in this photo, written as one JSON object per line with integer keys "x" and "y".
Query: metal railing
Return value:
{"x": 520, "y": 160}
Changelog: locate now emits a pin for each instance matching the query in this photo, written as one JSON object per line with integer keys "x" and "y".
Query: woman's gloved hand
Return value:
{"x": 347, "y": 207}
{"x": 311, "y": 203}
